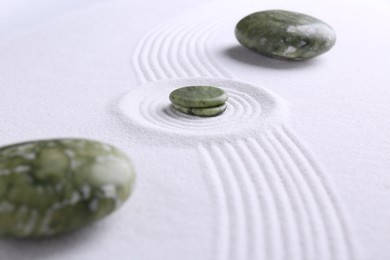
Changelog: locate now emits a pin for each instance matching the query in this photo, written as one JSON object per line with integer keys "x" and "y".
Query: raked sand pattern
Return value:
{"x": 271, "y": 199}
{"x": 247, "y": 105}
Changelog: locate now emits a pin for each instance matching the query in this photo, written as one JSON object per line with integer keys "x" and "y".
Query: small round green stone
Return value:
{"x": 203, "y": 112}
{"x": 198, "y": 97}
{"x": 54, "y": 186}
{"x": 285, "y": 35}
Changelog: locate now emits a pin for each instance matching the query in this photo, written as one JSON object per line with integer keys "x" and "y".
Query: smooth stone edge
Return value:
{"x": 280, "y": 57}
{"x": 202, "y": 112}
{"x": 118, "y": 203}
{"x": 217, "y": 101}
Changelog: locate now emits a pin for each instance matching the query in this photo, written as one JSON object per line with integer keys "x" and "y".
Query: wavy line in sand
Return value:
{"x": 315, "y": 231}
{"x": 147, "y": 60}
{"x": 268, "y": 199}
{"x": 242, "y": 236}
{"x": 222, "y": 215}
{"x": 144, "y": 56}
{"x": 177, "y": 50}
{"x": 197, "y": 52}
{"x": 175, "y": 44}
{"x": 189, "y": 49}
{"x": 237, "y": 208}
{"x": 301, "y": 235}
{"x": 287, "y": 204}
{"x": 142, "y": 68}
{"x": 341, "y": 244}
{"x": 172, "y": 46}
{"x": 292, "y": 221}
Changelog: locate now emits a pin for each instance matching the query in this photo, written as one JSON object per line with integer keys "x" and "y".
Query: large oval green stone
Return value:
{"x": 285, "y": 35}
{"x": 54, "y": 186}
{"x": 198, "y": 96}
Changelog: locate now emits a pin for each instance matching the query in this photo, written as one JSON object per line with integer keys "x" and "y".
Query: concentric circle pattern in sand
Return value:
{"x": 248, "y": 107}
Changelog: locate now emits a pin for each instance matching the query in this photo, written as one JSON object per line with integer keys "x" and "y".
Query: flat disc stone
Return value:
{"x": 285, "y": 35}
{"x": 198, "y": 97}
{"x": 55, "y": 186}
{"x": 203, "y": 112}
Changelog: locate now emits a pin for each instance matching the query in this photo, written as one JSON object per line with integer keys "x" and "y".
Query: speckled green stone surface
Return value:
{"x": 285, "y": 35}
{"x": 54, "y": 186}
{"x": 198, "y": 96}
{"x": 204, "y": 112}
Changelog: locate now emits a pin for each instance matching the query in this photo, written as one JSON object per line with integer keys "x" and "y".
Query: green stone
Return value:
{"x": 54, "y": 186}
{"x": 204, "y": 112}
{"x": 285, "y": 35}
{"x": 198, "y": 97}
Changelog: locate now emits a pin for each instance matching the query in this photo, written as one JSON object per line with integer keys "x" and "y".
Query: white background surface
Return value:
{"x": 16, "y": 15}
{"x": 339, "y": 105}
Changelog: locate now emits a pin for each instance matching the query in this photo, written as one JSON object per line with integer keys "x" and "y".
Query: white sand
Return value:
{"x": 238, "y": 186}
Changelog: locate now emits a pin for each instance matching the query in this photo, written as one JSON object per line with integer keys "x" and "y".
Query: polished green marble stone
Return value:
{"x": 203, "y": 112}
{"x": 54, "y": 186}
{"x": 285, "y": 35}
{"x": 198, "y": 96}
